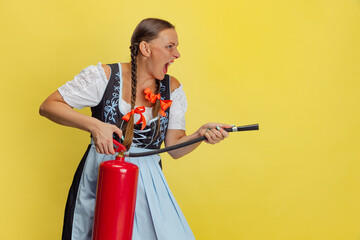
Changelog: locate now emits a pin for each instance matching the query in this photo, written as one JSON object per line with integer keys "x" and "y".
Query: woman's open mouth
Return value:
{"x": 166, "y": 66}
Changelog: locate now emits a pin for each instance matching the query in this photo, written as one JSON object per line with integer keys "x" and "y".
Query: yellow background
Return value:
{"x": 291, "y": 66}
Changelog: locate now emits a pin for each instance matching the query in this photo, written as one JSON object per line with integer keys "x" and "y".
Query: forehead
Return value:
{"x": 167, "y": 36}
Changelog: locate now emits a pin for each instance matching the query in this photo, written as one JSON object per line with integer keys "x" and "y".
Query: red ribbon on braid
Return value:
{"x": 138, "y": 110}
{"x": 164, "y": 104}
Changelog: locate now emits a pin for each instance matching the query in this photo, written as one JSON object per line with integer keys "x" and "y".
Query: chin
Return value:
{"x": 160, "y": 76}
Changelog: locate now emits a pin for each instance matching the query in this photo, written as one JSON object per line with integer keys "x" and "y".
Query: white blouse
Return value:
{"x": 88, "y": 87}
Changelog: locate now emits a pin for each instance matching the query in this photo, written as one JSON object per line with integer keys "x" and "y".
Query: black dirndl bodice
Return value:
{"x": 108, "y": 111}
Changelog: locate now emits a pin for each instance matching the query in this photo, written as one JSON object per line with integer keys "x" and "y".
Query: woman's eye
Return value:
{"x": 169, "y": 46}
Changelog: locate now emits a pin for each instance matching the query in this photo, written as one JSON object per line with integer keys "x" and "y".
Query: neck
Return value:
{"x": 144, "y": 76}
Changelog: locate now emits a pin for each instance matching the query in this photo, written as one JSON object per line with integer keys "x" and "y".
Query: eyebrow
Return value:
{"x": 173, "y": 43}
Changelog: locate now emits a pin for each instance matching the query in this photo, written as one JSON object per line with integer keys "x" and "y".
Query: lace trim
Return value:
{"x": 178, "y": 109}
{"x": 84, "y": 79}
{"x": 179, "y": 99}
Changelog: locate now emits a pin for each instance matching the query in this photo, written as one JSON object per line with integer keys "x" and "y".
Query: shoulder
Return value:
{"x": 174, "y": 83}
{"x": 107, "y": 70}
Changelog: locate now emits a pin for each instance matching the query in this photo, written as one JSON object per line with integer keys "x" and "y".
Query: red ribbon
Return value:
{"x": 164, "y": 104}
{"x": 138, "y": 110}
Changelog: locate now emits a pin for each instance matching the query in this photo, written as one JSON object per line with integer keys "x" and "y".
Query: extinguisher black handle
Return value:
{"x": 187, "y": 143}
{"x": 243, "y": 128}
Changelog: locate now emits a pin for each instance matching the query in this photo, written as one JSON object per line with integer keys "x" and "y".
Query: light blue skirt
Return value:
{"x": 157, "y": 214}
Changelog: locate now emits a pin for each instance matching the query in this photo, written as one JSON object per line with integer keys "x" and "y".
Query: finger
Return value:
{"x": 225, "y": 125}
{"x": 104, "y": 148}
{"x": 217, "y": 134}
{"x": 203, "y": 131}
{"x": 99, "y": 148}
{"x": 217, "y": 137}
{"x": 224, "y": 133}
{"x": 110, "y": 147}
{"x": 118, "y": 131}
{"x": 209, "y": 135}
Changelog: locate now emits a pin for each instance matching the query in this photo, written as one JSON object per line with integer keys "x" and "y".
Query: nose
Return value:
{"x": 176, "y": 53}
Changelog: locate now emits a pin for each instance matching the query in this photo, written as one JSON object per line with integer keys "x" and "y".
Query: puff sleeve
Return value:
{"x": 177, "y": 109}
{"x": 86, "y": 89}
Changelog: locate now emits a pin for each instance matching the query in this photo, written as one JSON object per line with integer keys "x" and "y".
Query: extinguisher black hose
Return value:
{"x": 184, "y": 144}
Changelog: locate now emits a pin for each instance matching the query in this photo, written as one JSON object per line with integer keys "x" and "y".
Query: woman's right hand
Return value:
{"x": 103, "y": 137}
{"x": 57, "y": 110}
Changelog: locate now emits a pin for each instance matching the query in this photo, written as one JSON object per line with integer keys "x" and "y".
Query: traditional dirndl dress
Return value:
{"x": 157, "y": 214}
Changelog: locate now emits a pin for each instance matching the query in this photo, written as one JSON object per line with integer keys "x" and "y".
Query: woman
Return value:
{"x": 128, "y": 99}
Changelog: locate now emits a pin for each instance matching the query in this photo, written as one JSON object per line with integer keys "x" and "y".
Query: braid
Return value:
{"x": 157, "y": 86}
{"x": 129, "y": 132}
{"x": 134, "y": 51}
{"x": 156, "y": 107}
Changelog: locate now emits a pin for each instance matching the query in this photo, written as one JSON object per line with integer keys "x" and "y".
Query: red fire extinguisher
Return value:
{"x": 115, "y": 198}
{"x": 116, "y": 190}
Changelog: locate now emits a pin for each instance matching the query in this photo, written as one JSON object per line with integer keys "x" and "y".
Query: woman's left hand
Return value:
{"x": 214, "y": 132}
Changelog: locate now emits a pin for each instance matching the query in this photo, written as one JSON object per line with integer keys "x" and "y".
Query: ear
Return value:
{"x": 144, "y": 48}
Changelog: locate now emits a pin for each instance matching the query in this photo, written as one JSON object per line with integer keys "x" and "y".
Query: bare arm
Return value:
{"x": 57, "y": 110}
{"x": 213, "y": 136}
